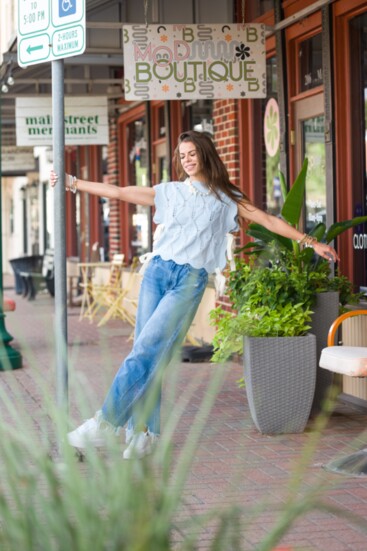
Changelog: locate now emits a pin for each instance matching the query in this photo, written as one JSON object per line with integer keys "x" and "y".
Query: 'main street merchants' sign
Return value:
{"x": 194, "y": 61}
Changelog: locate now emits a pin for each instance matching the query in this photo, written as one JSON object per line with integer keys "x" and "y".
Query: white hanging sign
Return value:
{"x": 86, "y": 120}
{"x": 17, "y": 160}
{"x": 194, "y": 61}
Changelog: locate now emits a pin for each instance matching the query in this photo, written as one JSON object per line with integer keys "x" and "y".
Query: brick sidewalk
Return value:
{"x": 234, "y": 464}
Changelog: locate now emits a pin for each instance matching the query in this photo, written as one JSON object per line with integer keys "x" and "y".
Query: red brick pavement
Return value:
{"x": 234, "y": 463}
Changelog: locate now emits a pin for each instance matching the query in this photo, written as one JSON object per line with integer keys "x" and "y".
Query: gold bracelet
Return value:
{"x": 307, "y": 240}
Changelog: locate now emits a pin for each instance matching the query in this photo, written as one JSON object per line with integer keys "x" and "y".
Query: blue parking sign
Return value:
{"x": 67, "y": 7}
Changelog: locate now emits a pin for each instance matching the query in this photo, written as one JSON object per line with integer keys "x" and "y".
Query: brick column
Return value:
{"x": 113, "y": 178}
{"x": 226, "y": 137}
{"x": 225, "y": 118}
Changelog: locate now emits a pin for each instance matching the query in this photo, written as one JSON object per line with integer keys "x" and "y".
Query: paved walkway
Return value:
{"x": 234, "y": 463}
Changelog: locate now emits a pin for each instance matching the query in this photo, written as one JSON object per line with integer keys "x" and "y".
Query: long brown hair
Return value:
{"x": 211, "y": 165}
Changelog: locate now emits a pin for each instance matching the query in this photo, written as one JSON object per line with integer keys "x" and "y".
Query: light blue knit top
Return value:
{"x": 194, "y": 226}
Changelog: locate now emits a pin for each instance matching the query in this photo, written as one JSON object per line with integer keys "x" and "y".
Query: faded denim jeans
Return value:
{"x": 169, "y": 298}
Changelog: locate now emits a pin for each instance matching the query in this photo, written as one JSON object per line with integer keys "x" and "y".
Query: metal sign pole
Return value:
{"x": 60, "y": 241}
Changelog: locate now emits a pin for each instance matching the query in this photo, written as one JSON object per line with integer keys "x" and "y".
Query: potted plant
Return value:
{"x": 291, "y": 280}
{"x": 273, "y": 312}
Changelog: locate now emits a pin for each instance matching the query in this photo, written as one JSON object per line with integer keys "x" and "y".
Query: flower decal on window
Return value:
{"x": 271, "y": 127}
{"x": 242, "y": 51}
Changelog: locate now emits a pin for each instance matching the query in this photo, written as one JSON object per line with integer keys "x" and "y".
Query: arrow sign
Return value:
{"x": 31, "y": 49}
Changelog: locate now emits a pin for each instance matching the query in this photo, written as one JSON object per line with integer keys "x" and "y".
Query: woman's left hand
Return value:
{"x": 326, "y": 251}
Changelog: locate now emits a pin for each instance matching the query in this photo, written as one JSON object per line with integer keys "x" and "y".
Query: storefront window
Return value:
{"x": 198, "y": 115}
{"x": 139, "y": 216}
{"x": 256, "y": 8}
{"x": 314, "y": 149}
{"x": 358, "y": 80}
{"x": 310, "y": 63}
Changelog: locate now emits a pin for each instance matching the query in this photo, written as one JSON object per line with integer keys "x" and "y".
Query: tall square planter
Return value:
{"x": 280, "y": 376}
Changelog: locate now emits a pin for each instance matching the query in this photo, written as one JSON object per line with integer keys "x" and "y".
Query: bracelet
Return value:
{"x": 72, "y": 185}
{"x": 307, "y": 240}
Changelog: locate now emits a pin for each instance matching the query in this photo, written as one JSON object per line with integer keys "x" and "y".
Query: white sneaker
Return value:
{"x": 94, "y": 432}
{"x": 141, "y": 444}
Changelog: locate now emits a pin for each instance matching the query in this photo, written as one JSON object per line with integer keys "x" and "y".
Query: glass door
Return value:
{"x": 309, "y": 141}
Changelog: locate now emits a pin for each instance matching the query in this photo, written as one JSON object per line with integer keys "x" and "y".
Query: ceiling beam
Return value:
{"x": 118, "y": 81}
{"x": 113, "y": 60}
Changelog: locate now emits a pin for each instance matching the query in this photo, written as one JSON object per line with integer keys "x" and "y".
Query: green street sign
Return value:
{"x": 50, "y": 29}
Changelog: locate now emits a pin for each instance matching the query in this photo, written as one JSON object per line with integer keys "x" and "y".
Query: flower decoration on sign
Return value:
{"x": 163, "y": 38}
{"x": 165, "y": 88}
{"x": 242, "y": 51}
{"x": 228, "y": 37}
{"x": 229, "y": 87}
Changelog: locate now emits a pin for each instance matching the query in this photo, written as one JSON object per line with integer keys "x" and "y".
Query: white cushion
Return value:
{"x": 348, "y": 360}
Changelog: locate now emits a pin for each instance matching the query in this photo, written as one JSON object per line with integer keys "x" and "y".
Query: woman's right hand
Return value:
{"x": 53, "y": 178}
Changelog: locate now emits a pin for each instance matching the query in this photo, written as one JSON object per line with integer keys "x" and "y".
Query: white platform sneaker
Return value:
{"x": 94, "y": 432}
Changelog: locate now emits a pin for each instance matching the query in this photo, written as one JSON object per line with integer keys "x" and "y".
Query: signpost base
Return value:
{"x": 9, "y": 358}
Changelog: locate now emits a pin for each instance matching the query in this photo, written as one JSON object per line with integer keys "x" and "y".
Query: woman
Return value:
{"x": 195, "y": 216}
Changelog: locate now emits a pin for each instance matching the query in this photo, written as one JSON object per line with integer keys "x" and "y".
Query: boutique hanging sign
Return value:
{"x": 194, "y": 61}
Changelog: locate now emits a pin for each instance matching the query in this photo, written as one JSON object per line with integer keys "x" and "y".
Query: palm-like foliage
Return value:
{"x": 291, "y": 212}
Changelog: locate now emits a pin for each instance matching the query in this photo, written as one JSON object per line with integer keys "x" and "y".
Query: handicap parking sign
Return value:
{"x": 67, "y": 7}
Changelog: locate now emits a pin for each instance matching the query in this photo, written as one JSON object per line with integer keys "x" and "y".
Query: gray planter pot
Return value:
{"x": 280, "y": 376}
{"x": 326, "y": 310}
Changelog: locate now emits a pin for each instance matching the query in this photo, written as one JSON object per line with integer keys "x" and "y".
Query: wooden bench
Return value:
{"x": 34, "y": 281}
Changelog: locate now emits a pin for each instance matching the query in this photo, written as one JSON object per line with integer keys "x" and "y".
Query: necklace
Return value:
{"x": 194, "y": 191}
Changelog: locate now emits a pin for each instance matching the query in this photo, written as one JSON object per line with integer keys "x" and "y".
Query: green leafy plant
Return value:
{"x": 270, "y": 301}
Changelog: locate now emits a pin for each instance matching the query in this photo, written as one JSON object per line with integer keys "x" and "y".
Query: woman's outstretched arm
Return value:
{"x": 279, "y": 226}
{"x": 131, "y": 194}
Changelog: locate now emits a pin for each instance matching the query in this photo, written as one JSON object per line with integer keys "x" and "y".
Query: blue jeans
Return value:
{"x": 169, "y": 298}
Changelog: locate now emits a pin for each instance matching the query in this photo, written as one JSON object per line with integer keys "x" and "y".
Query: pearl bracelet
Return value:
{"x": 72, "y": 185}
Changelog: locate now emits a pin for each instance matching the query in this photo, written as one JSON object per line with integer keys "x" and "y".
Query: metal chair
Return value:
{"x": 114, "y": 300}
{"x": 95, "y": 294}
{"x": 351, "y": 361}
